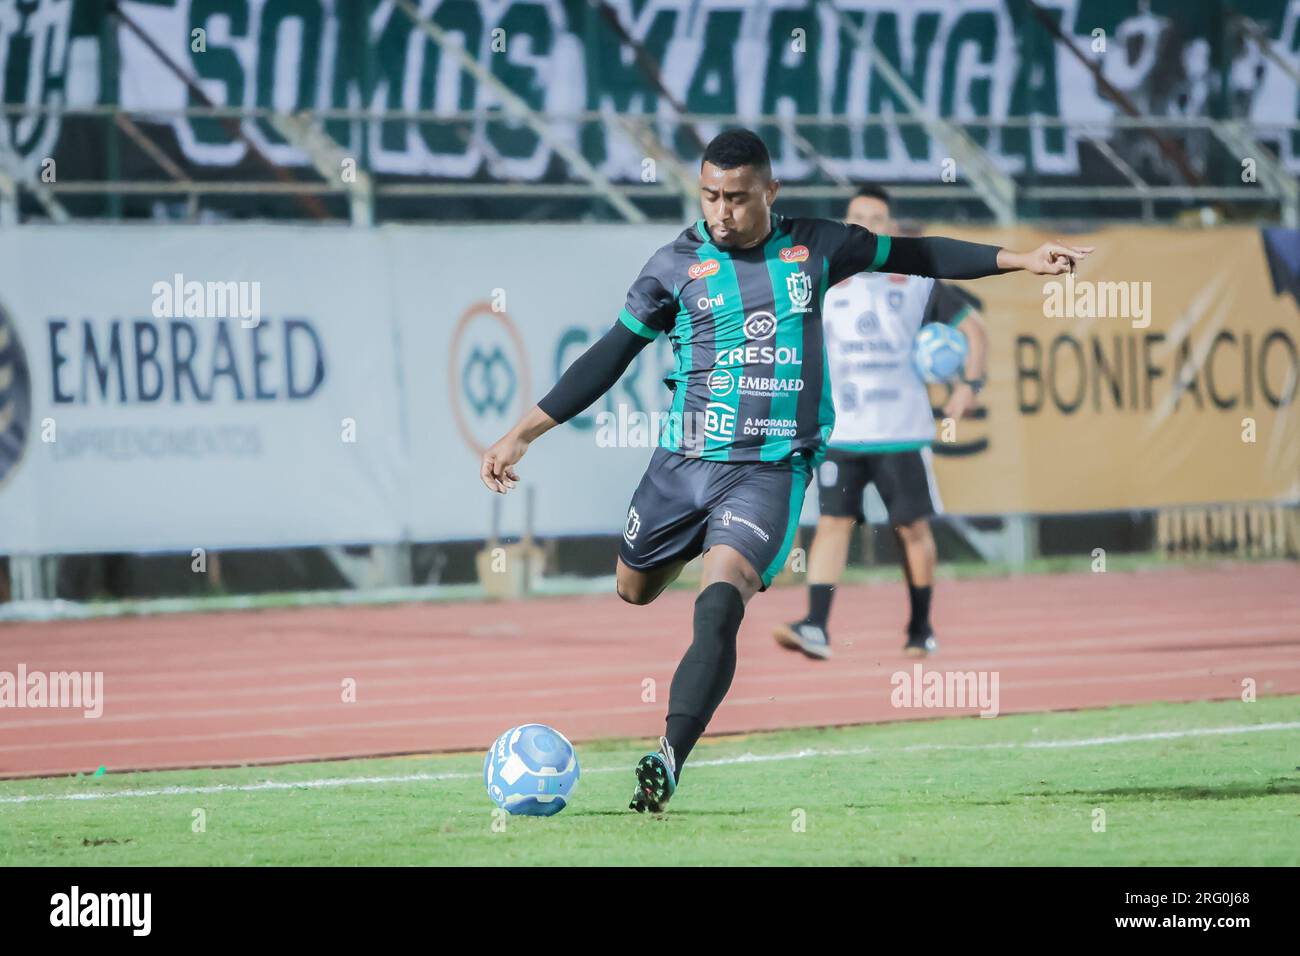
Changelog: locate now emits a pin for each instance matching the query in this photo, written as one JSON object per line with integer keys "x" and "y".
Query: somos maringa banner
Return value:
{"x": 255, "y": 386}
{"x": 1165, "y": 373}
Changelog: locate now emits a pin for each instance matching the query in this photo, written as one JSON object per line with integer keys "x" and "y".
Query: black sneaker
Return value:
{"x": 656, "y": 780}
{"x": 920, "y": 645}
{"x": 802, "y": 636}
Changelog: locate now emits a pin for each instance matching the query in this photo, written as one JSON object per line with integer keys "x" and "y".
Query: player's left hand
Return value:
{"x": 959, "y": 402}
{"x": 497, "y": 469}
{"x": 1054, "y": 258}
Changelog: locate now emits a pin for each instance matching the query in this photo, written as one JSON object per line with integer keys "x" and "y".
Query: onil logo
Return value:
{"x": 704, "y": 303}
{"x": 760, "y": 325}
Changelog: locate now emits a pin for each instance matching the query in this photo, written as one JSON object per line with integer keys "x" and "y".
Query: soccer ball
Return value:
{"x": 531, "y": 770}
{"x": 938, "y": 352}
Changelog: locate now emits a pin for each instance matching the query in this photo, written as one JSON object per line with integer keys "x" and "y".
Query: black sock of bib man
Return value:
{"x": 704, "y": 675}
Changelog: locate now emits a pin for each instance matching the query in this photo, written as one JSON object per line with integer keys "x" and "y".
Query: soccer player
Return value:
{"x": 739, "y": 295}
{"x": 883, "y": 429}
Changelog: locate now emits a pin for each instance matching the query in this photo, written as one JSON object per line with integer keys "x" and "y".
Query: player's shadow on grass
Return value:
{"x": 674, "y": 812}
{"x": 1230, "y": 791}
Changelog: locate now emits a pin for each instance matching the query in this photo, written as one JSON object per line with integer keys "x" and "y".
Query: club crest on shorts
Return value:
{"x": 633, "y": 526}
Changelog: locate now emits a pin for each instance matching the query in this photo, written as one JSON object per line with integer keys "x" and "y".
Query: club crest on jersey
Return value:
{"x": 721, "y": 382}
{"x": 799, "y": 286}
{"x": 633, "y": 525}
{"x": 794, "y": 254}
{"x": 760, "y": 325}
{"x": 706, "y": 268}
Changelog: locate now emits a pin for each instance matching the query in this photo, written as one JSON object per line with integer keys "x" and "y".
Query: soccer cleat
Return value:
{"x": 921, "y": 646}
{"x": 656, "y": 780}
{"x": 802, "y": 636}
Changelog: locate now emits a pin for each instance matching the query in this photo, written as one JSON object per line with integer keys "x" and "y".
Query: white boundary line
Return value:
{"x": 720, "y": 762}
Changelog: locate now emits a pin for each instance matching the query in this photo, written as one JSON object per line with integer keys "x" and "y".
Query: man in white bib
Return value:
{"x": 883, "y": 428}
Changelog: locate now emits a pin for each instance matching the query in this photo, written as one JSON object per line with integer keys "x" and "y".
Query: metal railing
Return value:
{"x": 1113, "y": 147}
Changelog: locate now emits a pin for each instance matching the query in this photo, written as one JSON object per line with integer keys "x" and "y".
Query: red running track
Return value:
{"x": 231, "y": 688}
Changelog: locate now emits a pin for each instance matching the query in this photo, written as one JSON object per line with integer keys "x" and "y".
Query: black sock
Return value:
{"x": 919, "y": 625}
{"x": 704, "y": 674}
{"x": 819, "y": 604}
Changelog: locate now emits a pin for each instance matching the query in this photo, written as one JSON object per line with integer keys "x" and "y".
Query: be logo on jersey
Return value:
{"x": 719, "y": 422}
{"x": 488, "y": 377}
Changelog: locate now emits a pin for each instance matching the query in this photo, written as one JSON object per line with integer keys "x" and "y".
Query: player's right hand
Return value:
{"x": 497, "y": 470}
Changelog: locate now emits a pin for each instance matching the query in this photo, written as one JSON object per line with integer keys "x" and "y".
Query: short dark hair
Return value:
{"x": 874, "y": 191}
{"x": 738, "y": 147}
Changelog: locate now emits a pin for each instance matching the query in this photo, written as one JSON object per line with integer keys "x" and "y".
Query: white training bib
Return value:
{"x": 870, "y": 321}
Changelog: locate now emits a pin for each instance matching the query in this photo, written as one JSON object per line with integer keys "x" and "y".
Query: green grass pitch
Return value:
{"x": 1123, "y": 786}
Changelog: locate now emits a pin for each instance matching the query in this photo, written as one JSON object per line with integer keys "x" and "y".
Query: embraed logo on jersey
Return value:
{"x": 721, "y": 382}
{"x": 760, "y": 325}
{"x": 706, "y": 268}
{"x": 794, "y": 254}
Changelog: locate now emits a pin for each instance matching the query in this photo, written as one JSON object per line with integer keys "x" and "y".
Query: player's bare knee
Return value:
{"x": 635, "y": 592}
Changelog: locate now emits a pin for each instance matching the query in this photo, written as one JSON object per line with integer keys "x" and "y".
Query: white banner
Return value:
{"x": 165, "y": 389}
{"x": 487, "y": 318}
{"x": 256, "y": 407}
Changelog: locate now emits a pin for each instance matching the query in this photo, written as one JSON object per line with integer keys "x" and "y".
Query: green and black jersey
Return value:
{"x": 750, "y": 381}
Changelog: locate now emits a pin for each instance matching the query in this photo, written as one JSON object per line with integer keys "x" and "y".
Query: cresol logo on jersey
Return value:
{"x": 179, "y": 362}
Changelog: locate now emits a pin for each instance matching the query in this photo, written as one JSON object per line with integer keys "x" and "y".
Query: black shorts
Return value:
{"x": 904, "y": 479}
{"x": 684, "y": 506}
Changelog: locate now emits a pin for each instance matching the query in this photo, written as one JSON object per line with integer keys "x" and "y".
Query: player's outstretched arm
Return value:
{"x": 943, "y": 258}
{"x": 591, "y": 376}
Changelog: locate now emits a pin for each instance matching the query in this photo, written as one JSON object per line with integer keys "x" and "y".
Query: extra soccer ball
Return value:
{"x": 531, "y": 770}
{"x": 938, "y": 352}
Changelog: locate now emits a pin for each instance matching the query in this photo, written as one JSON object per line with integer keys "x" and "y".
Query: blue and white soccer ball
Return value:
{"x": 531, "y": 769}
{"x": 938, "y": 352}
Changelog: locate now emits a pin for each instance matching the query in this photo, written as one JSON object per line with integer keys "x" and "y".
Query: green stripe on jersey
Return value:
{"x": 960, "y": 316}
{"x": 636, "y": 325}
{"x": 826, "y": 407}
{"x": 722, "y": 412}
{"x": 671, "y": 436}
{"x": 798, "y": 485}
{"x": 882, "y": 253}
{"x": 869, "y": 448}
{"x": 789, "y": 336}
